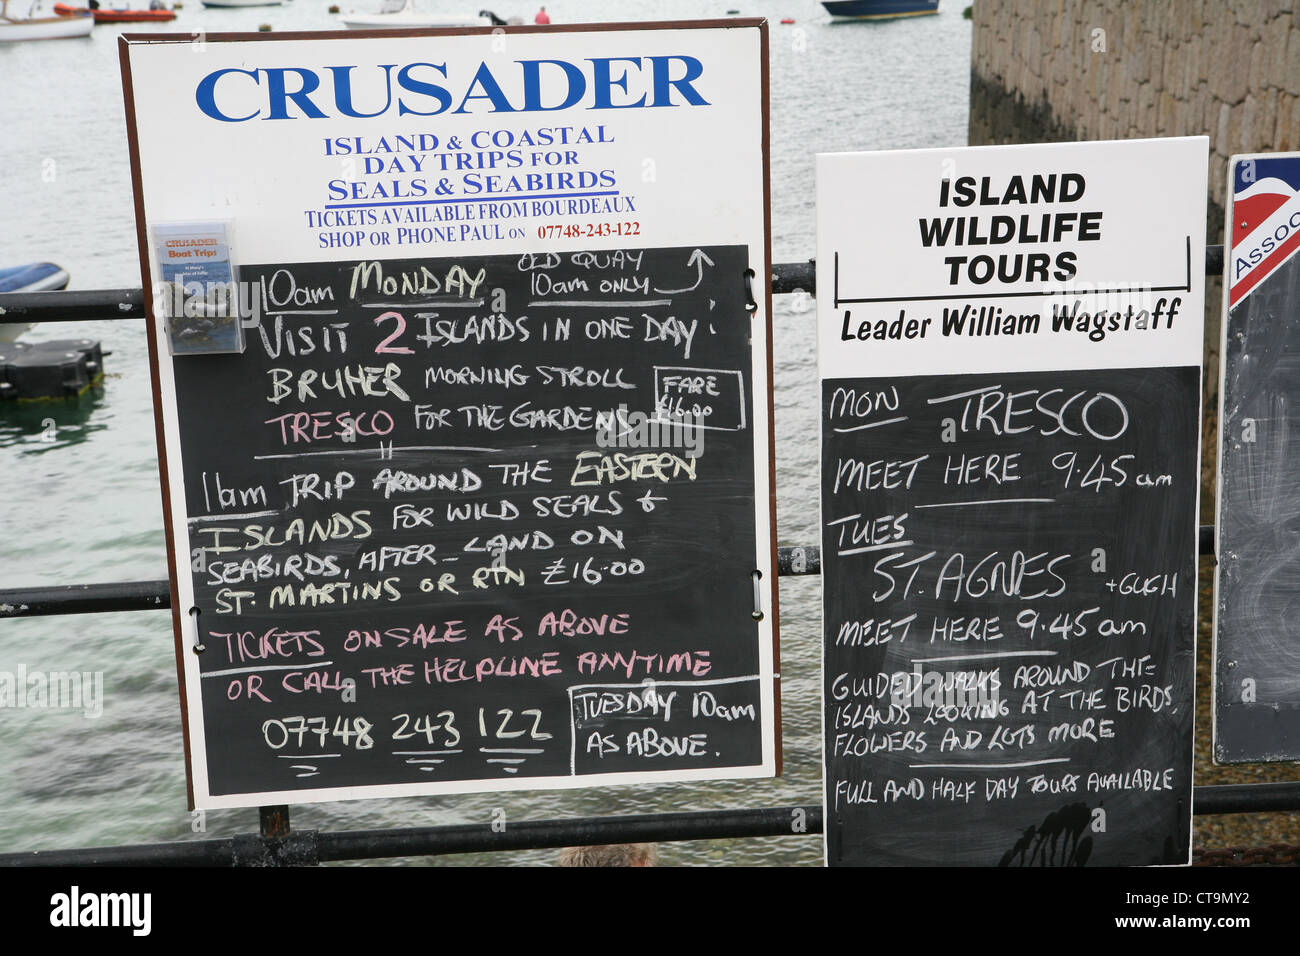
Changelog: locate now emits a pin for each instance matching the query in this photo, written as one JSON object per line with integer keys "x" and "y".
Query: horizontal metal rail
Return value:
{"x": 81, "y": 306}
{"x": 156, "y": 595}
{"x": 101, "y": 304}
{"x": 311, "y": 847}
{"x": 85, "y": 598}
{"x": 1246, "y": 798}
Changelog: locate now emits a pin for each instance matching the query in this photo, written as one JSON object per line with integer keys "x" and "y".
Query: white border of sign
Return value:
{"x": 701, "y": 178}
{"x": 870, "y": 256}
{"x": 868, "y": 207}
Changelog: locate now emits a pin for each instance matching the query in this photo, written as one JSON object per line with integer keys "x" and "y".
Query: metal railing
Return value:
{"x": 278, "y": 845}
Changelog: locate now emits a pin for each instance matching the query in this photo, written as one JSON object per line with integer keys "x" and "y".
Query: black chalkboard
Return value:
{"x": 464, "y": 489}
{"x": 1257, "y": 632}
{"x": 1009, "y": 594}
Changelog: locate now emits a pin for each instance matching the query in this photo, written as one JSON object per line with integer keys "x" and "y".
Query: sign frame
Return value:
{"x": 888, "y": 342}
{"x": 762, "y": 426}
{"x": 1264, "y": 716}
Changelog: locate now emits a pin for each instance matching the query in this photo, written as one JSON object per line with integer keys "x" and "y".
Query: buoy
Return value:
{"x": 733, "y": 13}
{"x": 787, "y": 19}
{"x": 334, "y": 8}
{"x": 40, "y": 371}
{"x": 264, "y": 28}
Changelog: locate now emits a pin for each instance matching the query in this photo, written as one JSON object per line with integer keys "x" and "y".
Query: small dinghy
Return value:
{"x": 156, "y": 13}
{"x": 402, "y": 15}
{"x": 33, "y": 277}
{"x": 31, "y": 27}
{"x": 241, "y": 3}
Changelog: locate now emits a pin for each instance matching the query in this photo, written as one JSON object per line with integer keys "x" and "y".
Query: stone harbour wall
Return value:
{"x": 1053, "y": 70}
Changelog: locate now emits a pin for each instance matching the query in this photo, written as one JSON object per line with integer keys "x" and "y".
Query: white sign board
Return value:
{"x": 486, "y": 501}
{"x": 975, "y": 238}
{"x": 1010, "y": 349}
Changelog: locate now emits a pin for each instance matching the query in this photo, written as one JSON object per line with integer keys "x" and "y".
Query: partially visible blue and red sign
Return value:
{"x": 1265, "y": 228}
{"x": 1257, "y": 592}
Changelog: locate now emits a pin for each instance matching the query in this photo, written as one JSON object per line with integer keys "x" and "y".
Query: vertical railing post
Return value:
{"x": 274, "y": 822}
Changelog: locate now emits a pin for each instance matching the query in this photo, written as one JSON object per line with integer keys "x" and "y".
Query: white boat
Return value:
{"x": 32, "y": 277}
{"x": 402, "y": 15}
{"x": 32, "y": 27}
{"x": 241, "y": 3}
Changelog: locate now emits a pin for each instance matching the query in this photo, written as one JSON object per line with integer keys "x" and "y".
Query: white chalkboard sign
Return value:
{"x": 486, "y": 502}
{"x": 1010, "y": 353}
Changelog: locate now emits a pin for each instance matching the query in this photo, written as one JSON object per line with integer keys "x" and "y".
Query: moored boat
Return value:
{"x": 402, "y": 15}
{"x": 31, "y": 27}
{"x": 879, "y": 9}
{"x": 241, "y": 3}
{"x": 33, "y": 277}
{"x": 101, "y": 15}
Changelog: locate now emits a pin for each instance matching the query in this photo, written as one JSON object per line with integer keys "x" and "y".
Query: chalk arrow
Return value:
{"x": 697, "y": 259}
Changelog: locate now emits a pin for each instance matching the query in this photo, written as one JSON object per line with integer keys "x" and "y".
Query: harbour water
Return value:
{"x": 81, "y": 501}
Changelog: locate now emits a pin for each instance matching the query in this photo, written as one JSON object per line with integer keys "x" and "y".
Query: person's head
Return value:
{"x": 609, "y": 854}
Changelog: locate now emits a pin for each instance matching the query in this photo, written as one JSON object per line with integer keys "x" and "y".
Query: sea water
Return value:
{"x": 81, "y": 501}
